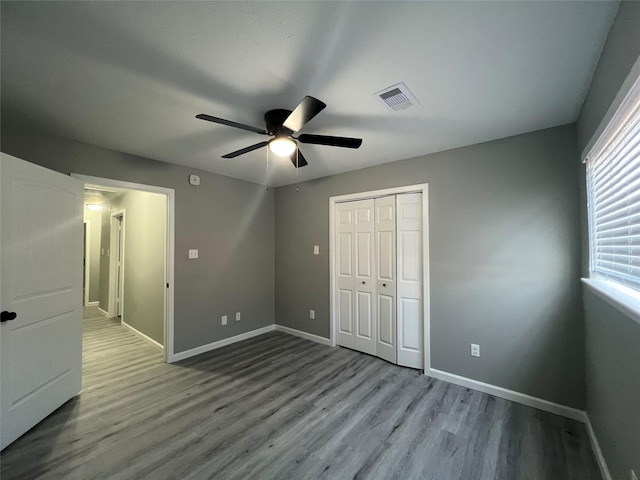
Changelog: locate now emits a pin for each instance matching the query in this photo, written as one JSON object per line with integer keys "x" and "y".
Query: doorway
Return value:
{"x": 379, "y": 273}
{"x": 123, "y": 222}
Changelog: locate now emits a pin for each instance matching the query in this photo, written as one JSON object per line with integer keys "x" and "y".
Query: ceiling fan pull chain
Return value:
{"x": 267, "y": 169}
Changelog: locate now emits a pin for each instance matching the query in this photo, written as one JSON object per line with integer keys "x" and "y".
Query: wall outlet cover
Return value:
{"x": 237, "y": 316}
{"x": 312, "y": 314}
{"x": 475, "y": 350}
{"x": 224, "y": 320}
{"x": 193, "y": 253}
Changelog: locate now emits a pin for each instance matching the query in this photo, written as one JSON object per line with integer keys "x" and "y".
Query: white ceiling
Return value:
{"x": 131, "y": 76}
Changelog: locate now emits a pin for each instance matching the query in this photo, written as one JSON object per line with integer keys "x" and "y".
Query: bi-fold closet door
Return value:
{"x": 379, "y": 277}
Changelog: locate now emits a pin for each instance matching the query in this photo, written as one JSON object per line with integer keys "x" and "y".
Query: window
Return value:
{"x": 613, "y": 183}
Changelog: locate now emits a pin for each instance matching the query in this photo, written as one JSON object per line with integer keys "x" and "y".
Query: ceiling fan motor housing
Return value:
{"x": 273, "y": 121}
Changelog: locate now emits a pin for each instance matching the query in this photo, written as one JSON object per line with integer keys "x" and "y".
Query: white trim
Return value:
{"x": 539, "y": 403}
{"x": 87, "y": 260}
{"x": 92, "y": 304}
{"x": 620, "y": 103}
{"x": 595, "y": 446}
{"x": 616, "y": 296}
{"x": 170, "y": 243}
{"x": 379, "y": 193}
{"x": 222, "y": 343}
{"x": 106, "y": 314}
{"x": 144, "y": 337}
{"x": 426, "y": 304}
{"x": 305, "y": 335}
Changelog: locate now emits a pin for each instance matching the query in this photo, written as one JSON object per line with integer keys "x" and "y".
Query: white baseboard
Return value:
{"x": 144, "y": 337}
{"x": 106, "y": 314}
{"x": 305, "y": 335}
{"x": 92, "y": 304}
{"x": 602, "y": 463}
{"x": 518, "y": 397}
{"x": 221, "y": 343}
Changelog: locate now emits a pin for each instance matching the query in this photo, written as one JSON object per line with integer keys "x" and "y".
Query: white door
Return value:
{"x": 119, "y": 264}
{"x": 41, "y": 228}
{"x": 409, "y": 288}
{"x": 344, "y": 274}
{"x": 385, "y": 266}
{"x": 364, "y": 277}
{"x": 355, "y": 276}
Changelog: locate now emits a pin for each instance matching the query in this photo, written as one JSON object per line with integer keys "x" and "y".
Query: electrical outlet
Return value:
{"x": 237, "y": 316}
{"x": 193, "y": 253}
{"x": 475, "y": 350}
{"x": 312, "y": 314}
{"x": 633, "y": 476}
{"x": 224, "y": 320}
{"x": 316, "y": 250}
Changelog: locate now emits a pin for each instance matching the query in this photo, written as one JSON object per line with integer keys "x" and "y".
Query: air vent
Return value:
{"x": 397, "y": 97}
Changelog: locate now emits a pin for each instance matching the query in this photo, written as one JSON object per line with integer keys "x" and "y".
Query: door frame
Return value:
{"x": 169, "y": 193}
{"x": 426, "y": 302}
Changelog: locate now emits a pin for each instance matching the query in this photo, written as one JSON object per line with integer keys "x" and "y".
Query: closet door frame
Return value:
{"x": 333, "y": 201}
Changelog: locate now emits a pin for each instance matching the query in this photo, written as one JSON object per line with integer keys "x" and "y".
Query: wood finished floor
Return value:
{"x": 279, "y": 407}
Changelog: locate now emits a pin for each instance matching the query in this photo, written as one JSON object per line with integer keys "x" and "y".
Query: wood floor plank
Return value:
{"x": 280, "y": 407}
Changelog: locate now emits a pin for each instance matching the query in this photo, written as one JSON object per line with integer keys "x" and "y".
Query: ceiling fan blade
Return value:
{"x": 300, "y": 161}
{"x": 308, "y": 108}
{"x": 331, "y": 141}
{"x": 237, "y": 153}
{"x": 229, "y": 123}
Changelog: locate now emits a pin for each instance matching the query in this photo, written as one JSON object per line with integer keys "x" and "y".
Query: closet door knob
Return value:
{"x": 364, "y": 283}
{"x": 6, "y": 316}
{"x": 384, "y": 284}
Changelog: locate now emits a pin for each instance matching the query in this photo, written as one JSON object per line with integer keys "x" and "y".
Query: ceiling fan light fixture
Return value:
{"x": 282, "y": 146}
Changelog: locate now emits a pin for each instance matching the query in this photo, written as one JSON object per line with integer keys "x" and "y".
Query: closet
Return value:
{"x": 378, "y": 277}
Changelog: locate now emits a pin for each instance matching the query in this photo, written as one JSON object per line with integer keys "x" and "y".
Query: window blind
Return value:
{"x": 614, "y": 206}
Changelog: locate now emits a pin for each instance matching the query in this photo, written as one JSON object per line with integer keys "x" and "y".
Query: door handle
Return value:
{"x": 6, "y": 316}
{"x": 364, "y": 283}
{"x": 384, "y": 284}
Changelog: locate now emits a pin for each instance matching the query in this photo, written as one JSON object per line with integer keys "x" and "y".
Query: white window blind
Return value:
{"x": 614, "y": 200}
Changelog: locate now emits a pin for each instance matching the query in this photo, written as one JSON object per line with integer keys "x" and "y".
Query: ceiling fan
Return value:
{"x": 281, "y": 125}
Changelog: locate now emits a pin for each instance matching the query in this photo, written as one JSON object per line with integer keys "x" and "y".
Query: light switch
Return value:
{"x": 193, "y": 253}
{"x": 316, "y": 250}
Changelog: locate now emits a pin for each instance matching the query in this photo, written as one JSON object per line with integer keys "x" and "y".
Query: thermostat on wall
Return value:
{"x": 194, "y": 179}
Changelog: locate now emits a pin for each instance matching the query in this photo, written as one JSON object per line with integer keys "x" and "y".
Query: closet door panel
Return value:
{"x": 364, "y": 284}
{"x": 409, "y": 241}
{"x": 385, "y": 229}
{"x": 344, "y": 265}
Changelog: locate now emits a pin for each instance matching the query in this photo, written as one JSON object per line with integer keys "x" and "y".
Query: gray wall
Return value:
{"x": 619, "y": 53}
{"x": 613, "y": 383}
{"x": 95, "y": 225}
{"x": 144, "y": 261}
{"x": 230, "y": 221}
{"x": 613, "y": 341}
{"x": 504, "y": 258}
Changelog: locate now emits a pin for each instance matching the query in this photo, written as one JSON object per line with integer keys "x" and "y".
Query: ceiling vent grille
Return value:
{"x": 397, "y": 97}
